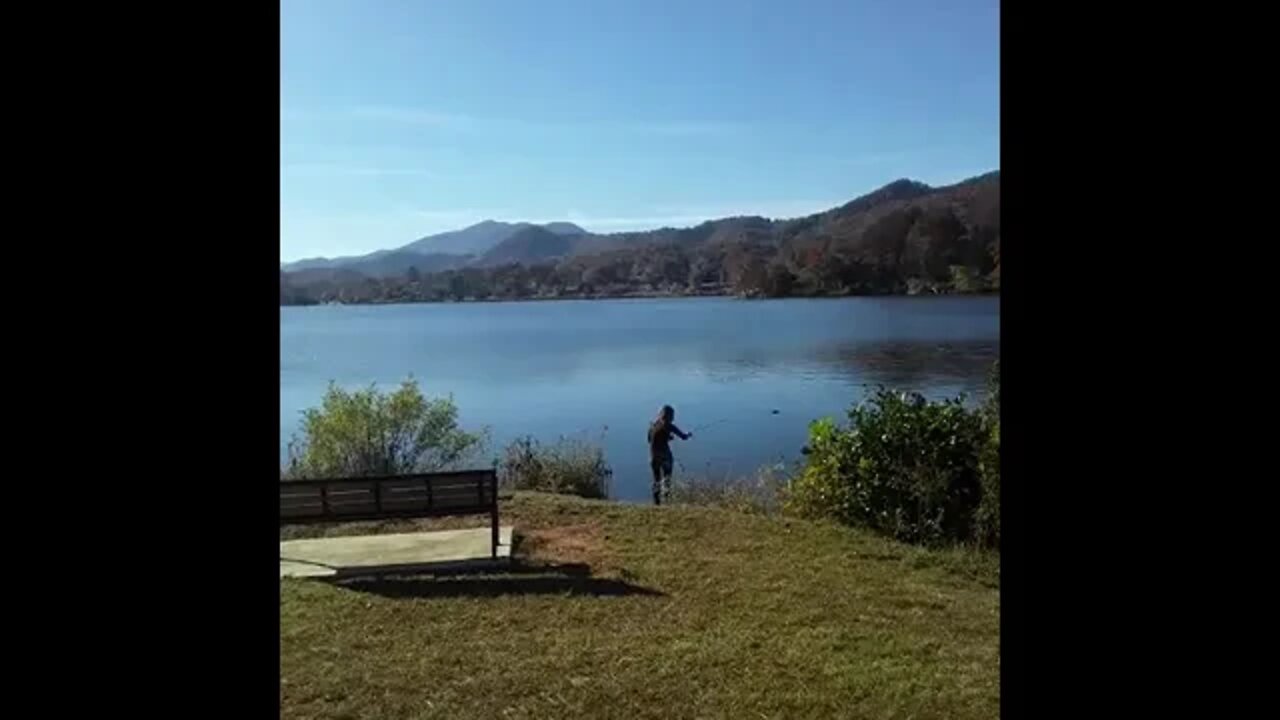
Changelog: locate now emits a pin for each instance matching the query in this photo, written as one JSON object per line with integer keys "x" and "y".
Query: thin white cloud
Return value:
{"x": 303, "y": 234}
{"x": 337, "y": 169}
{"x": 413, "y": 116}
{"x": 459, "y": 218}
{"x": 685, "y": 129}
{"x": 343, "y": 234}
{"x": 689, "y": 216}
{"x": 455, "y": 121}
{"x": 883, "y": 158}
{"x": 768, "y": 208}
{"x": 605, "y": 224}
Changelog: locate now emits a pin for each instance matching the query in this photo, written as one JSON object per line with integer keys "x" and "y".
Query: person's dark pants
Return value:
{"x": 661, "y": 466}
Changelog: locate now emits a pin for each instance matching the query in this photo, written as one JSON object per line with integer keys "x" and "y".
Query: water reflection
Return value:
{"x": 549, "y": 369}
{"x": 918, "y": 366}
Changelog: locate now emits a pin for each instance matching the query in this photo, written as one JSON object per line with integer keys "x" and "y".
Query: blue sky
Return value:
{"x": 402, "y": 118}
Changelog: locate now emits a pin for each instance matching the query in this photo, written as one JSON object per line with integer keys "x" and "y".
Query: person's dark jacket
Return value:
{"x": 660, "y": 433}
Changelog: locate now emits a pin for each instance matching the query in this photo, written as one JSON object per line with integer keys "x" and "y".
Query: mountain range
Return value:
{"x": 446, "y": 250}
{"x": 905, "y": 229}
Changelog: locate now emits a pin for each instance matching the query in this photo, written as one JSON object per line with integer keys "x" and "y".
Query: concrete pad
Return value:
{"x": 439, "y": 551}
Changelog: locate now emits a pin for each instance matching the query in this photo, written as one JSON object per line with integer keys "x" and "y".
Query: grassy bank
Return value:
{"x": 635, "y": 612}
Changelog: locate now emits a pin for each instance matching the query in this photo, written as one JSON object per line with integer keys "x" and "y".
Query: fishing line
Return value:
{"x": 704, "y": 426}
{"x": 713, "y": 423}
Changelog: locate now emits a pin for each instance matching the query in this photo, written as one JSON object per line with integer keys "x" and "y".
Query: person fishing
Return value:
{"x": 660, "y": 458}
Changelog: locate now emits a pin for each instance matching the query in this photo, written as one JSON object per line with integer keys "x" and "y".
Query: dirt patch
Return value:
{"x": 568, "y": 544}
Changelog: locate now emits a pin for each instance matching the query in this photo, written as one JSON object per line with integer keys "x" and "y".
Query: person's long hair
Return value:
{"x": 665, "y": 415}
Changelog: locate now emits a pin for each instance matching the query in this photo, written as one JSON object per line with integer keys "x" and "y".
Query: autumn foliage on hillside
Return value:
{"x": 905, "y": 238}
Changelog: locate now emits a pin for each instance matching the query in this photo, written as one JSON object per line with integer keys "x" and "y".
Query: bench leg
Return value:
{"x": 494, "y": 521}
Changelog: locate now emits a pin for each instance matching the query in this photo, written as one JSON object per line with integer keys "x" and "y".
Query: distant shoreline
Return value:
{"x": 644, "y": 296}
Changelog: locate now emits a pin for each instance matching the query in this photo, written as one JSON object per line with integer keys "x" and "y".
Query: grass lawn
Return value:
{"x": 619, "y": 611}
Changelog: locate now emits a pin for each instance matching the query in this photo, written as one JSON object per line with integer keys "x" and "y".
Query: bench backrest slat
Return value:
{"x": 398, "y": 496}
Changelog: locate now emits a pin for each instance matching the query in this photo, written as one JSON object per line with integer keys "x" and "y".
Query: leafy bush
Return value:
{"x": 904, "y": 466}
{"x": 988, "y": 514}
{"x": 570, "y": 467}
{"x": 367, "y": 432}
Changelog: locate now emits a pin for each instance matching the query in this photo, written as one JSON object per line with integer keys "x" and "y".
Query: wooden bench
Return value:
{"x": 466, "y": 492}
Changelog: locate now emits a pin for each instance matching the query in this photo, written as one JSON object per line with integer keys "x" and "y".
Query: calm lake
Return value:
{"x": 600, "y": 369}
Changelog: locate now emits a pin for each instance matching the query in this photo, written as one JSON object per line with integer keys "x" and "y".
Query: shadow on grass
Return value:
{"x": 521, "y": 578}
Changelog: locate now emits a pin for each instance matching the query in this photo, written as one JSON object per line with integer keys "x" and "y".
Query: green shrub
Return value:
{"x": 821, "y": 489}
{"x": 904, "y": 466}
{"x": 988, "y": 514}
{"x": 368, "y": 432}
{"x": 569, "y": 467}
